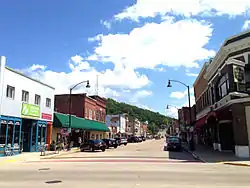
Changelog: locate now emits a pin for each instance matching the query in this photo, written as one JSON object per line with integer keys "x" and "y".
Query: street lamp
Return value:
{"x": 70, "y": 93}
{"x": 189, "y": 104}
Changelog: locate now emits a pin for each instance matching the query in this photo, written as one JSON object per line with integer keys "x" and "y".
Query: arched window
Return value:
{"x": 223, "y": 86}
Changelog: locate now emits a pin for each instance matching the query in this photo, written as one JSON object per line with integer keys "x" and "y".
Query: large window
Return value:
{"x": 25, "y": 96}
{"x": 223, "y": 86}
{"x": 10, "y": 92}
{"x": 3, "y": 133}
{"x": 90, "y": 114}
{"x": 17, "y": 133}
{"x": 10, "y": 134}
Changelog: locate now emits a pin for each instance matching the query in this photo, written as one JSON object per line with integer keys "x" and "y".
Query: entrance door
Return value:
{"x": 33, "y": 137}
{"x": 41, "y": 134}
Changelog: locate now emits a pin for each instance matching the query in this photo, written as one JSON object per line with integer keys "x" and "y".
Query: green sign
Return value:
{"x": 30, "y": 110}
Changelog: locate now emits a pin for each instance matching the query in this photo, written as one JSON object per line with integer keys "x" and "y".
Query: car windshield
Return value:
{"x": 173, "y": 139}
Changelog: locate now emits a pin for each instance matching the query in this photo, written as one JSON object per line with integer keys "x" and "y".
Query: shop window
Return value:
{"x": 96, "y": 136}
{"x": 17, "y": 133}
{"x": 37, "y": 99}
{"x": 3, "y": 133}
{"x": 100, "y": 136}
{"x": 25, "y": 96}
{"x": 10, "y": 92}
{"x": 86, "y": 112}
{"x": 223, "y": 86}
{"x": 48, "y": 102}
{"x": 10, "y": 134}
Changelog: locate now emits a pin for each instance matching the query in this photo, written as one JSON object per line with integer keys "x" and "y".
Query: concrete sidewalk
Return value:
{"x": 34, "y": 156}
{"x": 208, "y": 155}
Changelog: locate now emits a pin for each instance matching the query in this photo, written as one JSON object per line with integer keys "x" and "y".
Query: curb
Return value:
{"x": 195, "y": 156}
{"x": 61, "y": 154}
{"x": 236, "y": 164}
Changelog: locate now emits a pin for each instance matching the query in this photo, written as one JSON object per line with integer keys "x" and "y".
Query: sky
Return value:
{"x": 132, "y": 47}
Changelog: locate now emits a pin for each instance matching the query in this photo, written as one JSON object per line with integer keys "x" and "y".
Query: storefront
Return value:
{"x": 10, "y": 135}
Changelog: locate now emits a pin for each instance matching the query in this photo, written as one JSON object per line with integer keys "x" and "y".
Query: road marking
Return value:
{"x": 7, "y": 161}
{"x": 113, "y": 161}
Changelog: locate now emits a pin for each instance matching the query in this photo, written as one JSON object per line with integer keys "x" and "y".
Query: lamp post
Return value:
{"x": 70, "y": 92}
{"x": 189, "y": 103}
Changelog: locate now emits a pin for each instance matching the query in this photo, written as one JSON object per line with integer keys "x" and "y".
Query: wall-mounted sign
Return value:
{"x": 239, "y": 74}
{"x": 30, "y": 110}
{"x": 47, "y": 116}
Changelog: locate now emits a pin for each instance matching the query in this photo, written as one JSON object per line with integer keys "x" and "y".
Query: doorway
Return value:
{"x": 29, "y": 132}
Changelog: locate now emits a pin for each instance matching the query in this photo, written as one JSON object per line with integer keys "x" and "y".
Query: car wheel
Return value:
{"x": 115, "y": 146}
{"x": 93, "y": 149}
{"x": 103, "y": 149}
{"x": 125, "y": 144}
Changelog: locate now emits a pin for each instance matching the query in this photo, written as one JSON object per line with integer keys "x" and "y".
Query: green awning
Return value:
{"x": 62, "y": 120}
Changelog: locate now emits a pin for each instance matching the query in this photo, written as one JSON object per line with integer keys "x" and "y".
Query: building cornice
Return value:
{"x": 223, "y": 53}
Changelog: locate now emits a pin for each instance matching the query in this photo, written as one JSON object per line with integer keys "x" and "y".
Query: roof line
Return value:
{"x": 21, "y": 74}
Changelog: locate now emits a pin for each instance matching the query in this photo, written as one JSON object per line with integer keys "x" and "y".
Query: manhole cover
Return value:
{"x": 53, "y": 181}
{"x": 44, "y": 169}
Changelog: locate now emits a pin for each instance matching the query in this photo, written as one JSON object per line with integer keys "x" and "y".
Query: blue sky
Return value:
{"x": 134, "y": 46}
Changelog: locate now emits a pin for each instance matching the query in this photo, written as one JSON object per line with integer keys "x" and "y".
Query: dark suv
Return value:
{"x": 93, "y": 145}
{"x": 110, "y": 142}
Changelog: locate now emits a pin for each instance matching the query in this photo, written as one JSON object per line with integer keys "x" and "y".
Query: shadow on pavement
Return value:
{"x": 182, "y": 155}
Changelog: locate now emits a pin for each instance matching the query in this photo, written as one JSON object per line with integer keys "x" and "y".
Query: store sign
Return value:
{"x": 30, "y": 110}
{"x": 47, "y": 116}
{"x": 239, "y": 74}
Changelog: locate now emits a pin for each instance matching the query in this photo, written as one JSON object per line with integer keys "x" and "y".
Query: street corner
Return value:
{"x": 236, "y": 163}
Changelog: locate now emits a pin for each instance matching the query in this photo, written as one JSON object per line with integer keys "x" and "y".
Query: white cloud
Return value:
{"x": 172, "y": 111}
{"x": 140, "y": 94}
{"x": 246, "y": 25}
{"x": 155, "y": 44}
{"x": 111, "y": 82}
{"x": 152, "y": 8}
{"x": 106, "y": 23}
{"x": 191, "y": 74}
{"x": 181, "y": 95}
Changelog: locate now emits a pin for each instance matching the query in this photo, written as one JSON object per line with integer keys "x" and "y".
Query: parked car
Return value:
{"x": 93, "y": 145}
{"x": 110, "y": 142}
{"x": 133, "y": 139}
{"x": 139, "y": 138}
{"x": 122, "y": 141}
{"x": 143, "y": 138}
{"x": 173, "y": 143}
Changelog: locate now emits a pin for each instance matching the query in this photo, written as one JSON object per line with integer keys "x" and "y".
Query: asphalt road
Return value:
{"x": 135, "y": 165}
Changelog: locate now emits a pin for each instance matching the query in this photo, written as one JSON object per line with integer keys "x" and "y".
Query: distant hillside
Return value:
{"x": 154, "y": 119}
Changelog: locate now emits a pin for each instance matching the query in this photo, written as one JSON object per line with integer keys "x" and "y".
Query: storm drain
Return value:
{"x": 43, "y": 169}
{"x": 53, "y": 181}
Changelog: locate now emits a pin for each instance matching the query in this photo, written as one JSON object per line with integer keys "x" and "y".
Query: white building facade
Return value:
{"x": 26, "y": 109}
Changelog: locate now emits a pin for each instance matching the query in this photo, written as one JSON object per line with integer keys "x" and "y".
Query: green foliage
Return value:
{"x": 154, "y": 119}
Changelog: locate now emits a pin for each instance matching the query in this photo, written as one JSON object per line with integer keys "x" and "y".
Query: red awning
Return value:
{"x": 201, "y": 122}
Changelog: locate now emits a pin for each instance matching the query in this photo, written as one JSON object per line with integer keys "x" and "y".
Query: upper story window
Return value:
{"x": 10, "y": 92}
{"x": 37, "y": 99}
{"x": 25, "y": 96}
{"x": 48, "y": 102}
{"x": 223, "y": 86}
{"x": 94, "y": 115}
{"x": 90, "y": 114}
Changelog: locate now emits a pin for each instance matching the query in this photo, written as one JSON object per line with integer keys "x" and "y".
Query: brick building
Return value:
{"x": 222, "y": 97}
{"x": 91, "y": 108}
{"x": 88, "y": 107}
{"x": 184, "y": 116}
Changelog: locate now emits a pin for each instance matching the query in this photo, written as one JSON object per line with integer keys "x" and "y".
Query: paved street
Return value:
{"x": 134, "y": 165}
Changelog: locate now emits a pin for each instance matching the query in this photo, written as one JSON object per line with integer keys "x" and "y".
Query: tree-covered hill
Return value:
{"x": 154, "y": 119}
